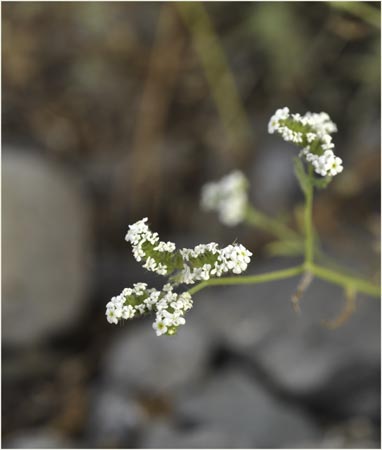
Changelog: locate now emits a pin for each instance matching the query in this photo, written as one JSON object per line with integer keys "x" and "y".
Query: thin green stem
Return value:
{"x": 346, "y": 281}
{"x": 269, "y": 224}
{"x": 260, "y": 220}
{"x": 249, "y": 279}
{"x": 308, "y": 222}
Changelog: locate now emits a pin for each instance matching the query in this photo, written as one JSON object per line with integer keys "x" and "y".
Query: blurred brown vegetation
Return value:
{"x": 130, "y": 94}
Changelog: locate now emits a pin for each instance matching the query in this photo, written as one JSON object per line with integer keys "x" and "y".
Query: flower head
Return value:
{"x": 312, "y": 132}
{"x": 228, "y": 197}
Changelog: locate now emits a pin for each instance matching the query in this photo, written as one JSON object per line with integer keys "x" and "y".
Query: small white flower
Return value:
{"x": 150, "y": 264}
{"x": 161, "y": 269}
{"x": 141, "y": 308}
{"x": 243, "y": 254}
{"x": 165, "y": 247}
{"x": 118, "y": 311}
{"x": 167, "y": 287}
{"x": 239, "y": 266}
{"x": 117, "y": 300}
{"x": 128, "y": 312}
{"x": 140, "y": 287}
{"x": 153, "y": 238}
{"x": 111, "y": 316}
{"x": 160, "y": 327}
{"x": 179, "y": 321}
{"x": 336, "y": 166}
{"x": 205, "y": 272}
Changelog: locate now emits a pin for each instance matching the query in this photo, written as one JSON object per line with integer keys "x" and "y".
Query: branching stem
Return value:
{"x": 358, "y": 284}
{"x": 249, "y": 279}
{"x": 308, "y": 267}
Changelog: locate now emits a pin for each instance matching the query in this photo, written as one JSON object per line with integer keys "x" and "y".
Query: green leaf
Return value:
{"x": 302, "y": 177}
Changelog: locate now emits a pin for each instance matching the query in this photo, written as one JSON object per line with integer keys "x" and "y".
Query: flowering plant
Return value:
{"x": 184, "y": 266}
{"x": 206, "y": 264}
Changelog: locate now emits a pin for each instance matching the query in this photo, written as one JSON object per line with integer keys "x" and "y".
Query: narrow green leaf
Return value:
{"x": 301, "y": 175}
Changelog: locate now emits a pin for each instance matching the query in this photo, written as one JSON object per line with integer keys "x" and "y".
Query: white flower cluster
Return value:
{"x": 312, "y": 132}
{"x": 327, "y": 164}
{"x": 170, "y": 311}
{"x": 185, "y": 265}
{"x": 228, "y": 197}
{"x": 200, "y": 263}
{"x": 168, "y": 306}
{"x": 208, "y": 261}
{"x": 147, "y": 246}
{"x": 119, "y": 308}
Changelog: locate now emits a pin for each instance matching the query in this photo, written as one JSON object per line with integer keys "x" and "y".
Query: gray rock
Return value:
{"x": 167, "y": 436}
{"x": 244, "y": 317}
{"x": 305, "y": 357}
{"x": 114, "y": 417}
{"x": 272, "y": 193}
{"x": 355, "y": 433}
{"x": 141, "y": 360}
{"x": 45, "y": 249}
{"x": 38, "y": 438}
{"x": 233, "y": 403}
{"x": 296, "y": 351}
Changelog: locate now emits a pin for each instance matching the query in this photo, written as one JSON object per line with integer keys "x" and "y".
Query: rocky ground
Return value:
{"x": 246, "y": 371}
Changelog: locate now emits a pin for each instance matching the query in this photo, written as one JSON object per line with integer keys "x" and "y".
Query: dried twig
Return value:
{"x": 141, "y": 171}
{"x": 302, "y": 286}
{"x": 345, "y": 313}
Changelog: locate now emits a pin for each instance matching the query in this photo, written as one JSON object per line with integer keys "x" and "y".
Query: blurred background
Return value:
{"x": 117, "y": 111}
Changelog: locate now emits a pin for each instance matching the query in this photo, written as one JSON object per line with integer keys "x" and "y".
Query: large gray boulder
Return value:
{"x": 45, "y": 249}
{"x": 138, "y": 359}
{"x": 233, "y": 403}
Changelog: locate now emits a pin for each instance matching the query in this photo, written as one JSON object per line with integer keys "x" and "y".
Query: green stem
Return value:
{"x": 260, "y": 220}
{"x": 346, "y": 281}
{"x": 356, "y": 284}
{"x": 249, "y": 279}
{"x": 269, "y": 224}
{"x": 309, "y": 239}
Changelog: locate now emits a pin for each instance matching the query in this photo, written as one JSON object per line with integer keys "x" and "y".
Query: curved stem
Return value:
{"x": 357, "y": 284}
{"x": 249, "y": 279}
{"x": 346, "y": 281}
